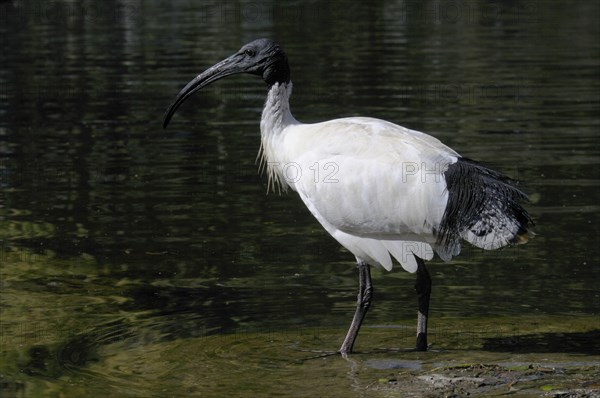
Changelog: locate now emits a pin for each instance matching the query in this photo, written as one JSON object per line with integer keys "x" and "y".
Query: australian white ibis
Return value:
{"x": 381, "y": 190}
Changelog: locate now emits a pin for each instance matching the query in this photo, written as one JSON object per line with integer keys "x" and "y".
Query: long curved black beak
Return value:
{"x": 229, "y": 66}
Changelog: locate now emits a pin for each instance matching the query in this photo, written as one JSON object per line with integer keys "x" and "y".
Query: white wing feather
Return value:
{"x": 373, "y": 202}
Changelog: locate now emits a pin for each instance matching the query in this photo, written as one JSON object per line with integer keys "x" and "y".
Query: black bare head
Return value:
{"x": 265, "y": 58}
{"x": 262, "y": 57}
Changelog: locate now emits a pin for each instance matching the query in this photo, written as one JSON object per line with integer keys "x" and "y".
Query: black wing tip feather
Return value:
{"x": 474, "y": 190}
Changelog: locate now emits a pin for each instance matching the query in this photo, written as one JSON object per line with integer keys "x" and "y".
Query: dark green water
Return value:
{"x": 147, "y": 262}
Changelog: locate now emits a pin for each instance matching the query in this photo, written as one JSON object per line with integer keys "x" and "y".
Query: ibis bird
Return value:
{"x": 382, "y": 191}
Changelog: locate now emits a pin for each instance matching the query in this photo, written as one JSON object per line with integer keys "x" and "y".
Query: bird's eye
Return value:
{"x": 249, "y": 52}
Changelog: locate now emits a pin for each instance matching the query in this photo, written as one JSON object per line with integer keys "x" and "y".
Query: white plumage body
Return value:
{"x": 376, "y": 187}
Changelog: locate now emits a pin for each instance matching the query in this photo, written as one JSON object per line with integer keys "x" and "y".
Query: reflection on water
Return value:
{"x": 131, "y": 257}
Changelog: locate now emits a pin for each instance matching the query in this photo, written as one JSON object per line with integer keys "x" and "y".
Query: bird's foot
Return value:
{"x": 421, "y": 342}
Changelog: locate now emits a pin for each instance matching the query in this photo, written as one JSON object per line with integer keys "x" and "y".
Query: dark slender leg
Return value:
{"x": 363, "y": 302}
{"x": 423, "y": 288}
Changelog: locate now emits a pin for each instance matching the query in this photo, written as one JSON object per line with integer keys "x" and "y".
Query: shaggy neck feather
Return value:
{"x": 276, "y": 117}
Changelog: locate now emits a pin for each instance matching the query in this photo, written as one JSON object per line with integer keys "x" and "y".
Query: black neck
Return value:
{"x": 278, "y": 71}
